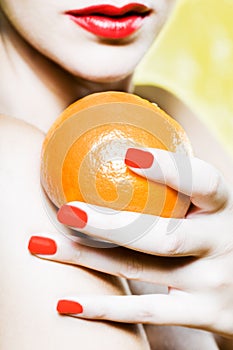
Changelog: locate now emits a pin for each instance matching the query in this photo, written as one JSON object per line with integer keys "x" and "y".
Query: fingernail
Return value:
{"x": 138, "y": 159}
{"x": 42, "y": 245}
{"x": 69, "y": 307}
{"x": 72, "y": 216}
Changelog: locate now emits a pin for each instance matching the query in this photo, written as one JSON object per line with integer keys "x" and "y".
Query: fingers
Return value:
{"x": 189, "y": 175}
{"x": 141, "y": 232}
{"x": 175, "y": 309}
{"x": 114, "y": 261}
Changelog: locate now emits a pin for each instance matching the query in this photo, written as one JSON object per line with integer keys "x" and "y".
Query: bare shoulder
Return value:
{"x": 30, "y": 287}
{"x": 13, "y": 130}
{"x": 20, "y": 146}
{"x": 20, "y": 149}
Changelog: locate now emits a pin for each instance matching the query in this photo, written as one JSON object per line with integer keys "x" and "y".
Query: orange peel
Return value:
{"x": 83, "y": 154}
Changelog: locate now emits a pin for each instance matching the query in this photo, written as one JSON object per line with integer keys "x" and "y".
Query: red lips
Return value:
{"x": 109, "y": 21}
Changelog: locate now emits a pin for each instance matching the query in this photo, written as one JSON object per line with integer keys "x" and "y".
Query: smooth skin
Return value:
{"x": 34, "y": 89}
{"x": 54, "y": 67}
{"x": 29, "y": 286}
{"x": 77, "y": 51}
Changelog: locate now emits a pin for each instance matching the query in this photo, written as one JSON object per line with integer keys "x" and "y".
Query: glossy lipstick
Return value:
{"x": 109, "y": 21}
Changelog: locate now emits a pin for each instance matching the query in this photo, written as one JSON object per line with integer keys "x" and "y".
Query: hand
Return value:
{"x": 192, "y": 256}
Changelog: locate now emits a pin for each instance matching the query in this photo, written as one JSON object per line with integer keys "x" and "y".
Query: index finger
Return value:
{"x": 189, "y": 175}
{"x": 142, "y": 232}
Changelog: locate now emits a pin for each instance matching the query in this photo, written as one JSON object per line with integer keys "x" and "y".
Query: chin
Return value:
{"x": 99, "y": 73}
{"x": 103, "y": 78}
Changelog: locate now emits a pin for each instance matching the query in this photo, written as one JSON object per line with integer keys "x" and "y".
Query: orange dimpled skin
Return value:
{"x": 83, "y": 155}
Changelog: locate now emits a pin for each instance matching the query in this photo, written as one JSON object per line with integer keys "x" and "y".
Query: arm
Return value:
{"x": 30, "y": 287}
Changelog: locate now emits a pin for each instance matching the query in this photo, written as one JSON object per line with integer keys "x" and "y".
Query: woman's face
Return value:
{"x": 98, "y": 40}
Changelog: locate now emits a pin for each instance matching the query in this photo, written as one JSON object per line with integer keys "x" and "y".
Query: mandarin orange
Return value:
{"x": 83, "y": 154}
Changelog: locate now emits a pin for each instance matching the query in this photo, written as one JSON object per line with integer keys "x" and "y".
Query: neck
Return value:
{"x": 35, "y": 89}
{"x": 88, "y": 87}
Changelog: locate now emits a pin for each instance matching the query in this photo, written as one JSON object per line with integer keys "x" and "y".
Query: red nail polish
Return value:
{"x": 69, "y": 307}
{"x": 72, "y": 216}
{"x": 138, "y": 159}
{"x": 42, "y": 245}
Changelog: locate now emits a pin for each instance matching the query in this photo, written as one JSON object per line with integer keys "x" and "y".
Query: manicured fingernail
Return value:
{"x": 69, "y": 307}
{"x": 72, "y": 216}
{"x": 42, "y": 245}
{"x": 138, "y": 159}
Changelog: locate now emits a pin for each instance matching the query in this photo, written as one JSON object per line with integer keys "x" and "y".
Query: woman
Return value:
{"x": 52, "y": 54}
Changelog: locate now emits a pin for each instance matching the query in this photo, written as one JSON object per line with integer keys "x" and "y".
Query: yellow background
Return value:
{"x": 193, "y": 58}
